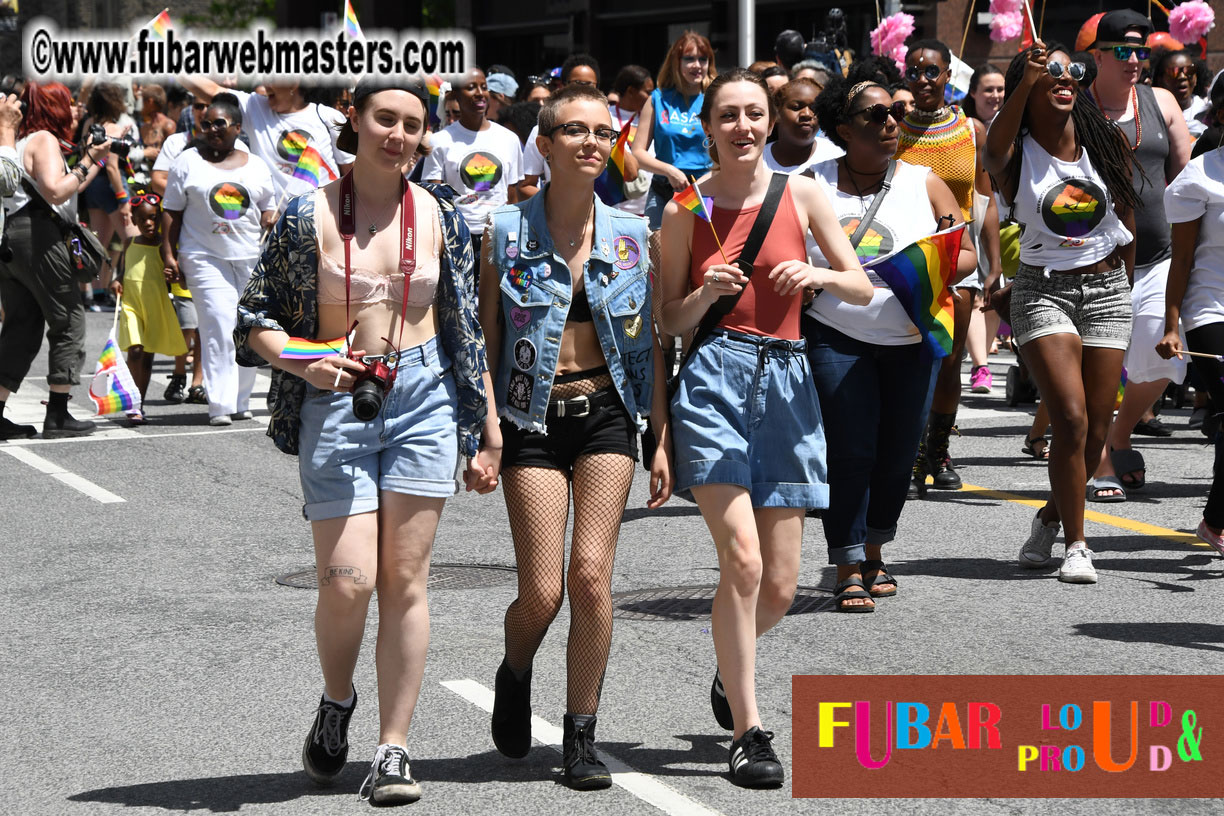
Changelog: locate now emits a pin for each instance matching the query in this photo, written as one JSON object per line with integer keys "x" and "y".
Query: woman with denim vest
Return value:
{"x": 565, "y": 302}
{"x": 746, "y": 418}
{"x": 389, "y": 265}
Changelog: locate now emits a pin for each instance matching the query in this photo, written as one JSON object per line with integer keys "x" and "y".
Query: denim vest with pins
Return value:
{"x": 536, "y": 292}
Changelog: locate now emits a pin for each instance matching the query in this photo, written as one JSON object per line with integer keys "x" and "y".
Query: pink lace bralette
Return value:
{"x": 369, "y": 286}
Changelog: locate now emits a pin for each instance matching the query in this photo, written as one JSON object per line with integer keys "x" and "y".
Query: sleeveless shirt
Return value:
{"x": 1154, "y": 241}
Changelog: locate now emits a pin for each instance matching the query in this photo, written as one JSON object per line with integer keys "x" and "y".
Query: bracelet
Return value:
{"x": 121, "y": 195}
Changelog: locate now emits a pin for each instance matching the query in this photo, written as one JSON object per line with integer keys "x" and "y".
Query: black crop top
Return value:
{"x": 580, "y": 309}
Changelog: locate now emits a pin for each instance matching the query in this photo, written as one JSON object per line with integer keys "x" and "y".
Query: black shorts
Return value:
{"x": 609, "y": 429}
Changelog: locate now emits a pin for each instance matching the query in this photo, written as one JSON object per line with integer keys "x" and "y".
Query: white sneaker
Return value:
{"x": 1035, "y": 553}
{"x": 243, "y": 415}
{"x": 220, "y": 420}
{"x": 1077, "y": 565}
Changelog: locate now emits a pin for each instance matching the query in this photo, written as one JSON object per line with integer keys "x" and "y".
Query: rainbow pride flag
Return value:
{"x": 112, "y": 388}
{"x": 438, "y": 89}
{"x": 351, "y": 26}
{"x": 299, "y": 348}
{"x": 311, "y": 167}
{"x": 160, "y": 24}
{"x": 610, "y": 186}
{"x": 691, "y": 199}
{"x": 918, "y": 275}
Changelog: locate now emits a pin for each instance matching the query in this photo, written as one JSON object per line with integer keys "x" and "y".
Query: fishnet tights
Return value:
{"x": 538, "y": 503}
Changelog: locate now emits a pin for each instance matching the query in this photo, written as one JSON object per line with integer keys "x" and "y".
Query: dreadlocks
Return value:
{"x": 1108, "y": 150}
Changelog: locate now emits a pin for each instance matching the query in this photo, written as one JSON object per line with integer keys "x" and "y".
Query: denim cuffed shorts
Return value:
{"x": 1097, "y": 307}
{"x": 746, "y": 413}
{"x": 411, "y": 447}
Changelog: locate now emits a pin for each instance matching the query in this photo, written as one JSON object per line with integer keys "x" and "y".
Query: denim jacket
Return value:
{"x": 283, "y": 294}
{"x": 536, "y": 290}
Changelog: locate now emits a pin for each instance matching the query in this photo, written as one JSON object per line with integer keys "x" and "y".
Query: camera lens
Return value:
{"x": 367, "y": 400}
{"x": 121, "y": 147}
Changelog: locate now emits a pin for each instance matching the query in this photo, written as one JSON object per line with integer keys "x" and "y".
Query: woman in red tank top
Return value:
{"x": 745, "y": 418}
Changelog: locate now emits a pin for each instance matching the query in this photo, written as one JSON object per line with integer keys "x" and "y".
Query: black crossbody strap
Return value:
{"x": 870, "y": 215}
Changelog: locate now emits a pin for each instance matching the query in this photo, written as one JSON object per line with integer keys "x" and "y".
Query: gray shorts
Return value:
{"x": 186, "y": 311}
{"x": 1096, "y": 307}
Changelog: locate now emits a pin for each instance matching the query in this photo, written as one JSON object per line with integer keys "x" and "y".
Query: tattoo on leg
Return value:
{"x": 328, "y": 573}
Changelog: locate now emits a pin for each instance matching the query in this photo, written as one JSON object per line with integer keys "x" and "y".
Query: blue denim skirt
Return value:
{"x": 746, "y": 413}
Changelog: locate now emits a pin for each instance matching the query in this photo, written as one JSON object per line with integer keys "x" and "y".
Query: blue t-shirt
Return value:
{"x": 677, "y": 130}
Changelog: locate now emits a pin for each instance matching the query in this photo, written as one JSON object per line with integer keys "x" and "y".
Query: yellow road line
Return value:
{"x": 1133, "y": 526}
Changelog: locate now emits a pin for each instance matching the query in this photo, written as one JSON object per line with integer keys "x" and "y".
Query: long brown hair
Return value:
{"x": 669, "y": 73}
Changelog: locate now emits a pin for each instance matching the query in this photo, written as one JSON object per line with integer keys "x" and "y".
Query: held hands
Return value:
{"x": 483, "y": 469}
{"x": 661, "y": 475}
{"x": 1170, "y": 346}
{"x": 172, "y": 272}
{"x": 322, "y": 373}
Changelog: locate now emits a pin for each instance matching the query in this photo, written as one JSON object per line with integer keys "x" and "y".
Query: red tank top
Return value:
{"x": 760, "y": 309}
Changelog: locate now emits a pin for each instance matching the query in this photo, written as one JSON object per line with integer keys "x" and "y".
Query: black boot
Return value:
{"x": 512, "y": 712}
{"x": 583, "y": 770}
{"x": 59, "y": 423}
{"x": 943, "y": 477}
{"x": 11, "y": 430}
{"x": 918, "y": 485}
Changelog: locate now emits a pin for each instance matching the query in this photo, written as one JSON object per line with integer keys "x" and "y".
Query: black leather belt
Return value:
{"x": 582, "y": 406}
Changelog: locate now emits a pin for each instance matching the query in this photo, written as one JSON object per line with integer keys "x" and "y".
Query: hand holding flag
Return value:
{"x": 112, "y": 388}
{"x": 701, "y": 206}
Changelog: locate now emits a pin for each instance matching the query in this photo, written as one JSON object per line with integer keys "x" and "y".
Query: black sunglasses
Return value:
{"x": 931, "y": 72}
{"x": 878, "y": 114}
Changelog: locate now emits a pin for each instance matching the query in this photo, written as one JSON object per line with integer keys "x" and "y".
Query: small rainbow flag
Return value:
{"x": 160, "y": 24}
{"x": 438, "y": 89}
{"x": 299, "y": 348}
{"x": 918, "y": 275}
{"x": 351, "y": 26}
{"x": 313, "y": 168}
{"x": 691, "y": 199}
{"x": 610, "y": 186}
{"x": 112, "y": 389}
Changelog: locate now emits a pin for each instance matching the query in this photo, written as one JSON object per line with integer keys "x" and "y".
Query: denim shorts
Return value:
{"x": 185, "y": 310}
{"x": 99, "y": 195}
{"x": 411, "y": 447}
{"x": 1097, "y": 307}
{"x": 746, "y": 413}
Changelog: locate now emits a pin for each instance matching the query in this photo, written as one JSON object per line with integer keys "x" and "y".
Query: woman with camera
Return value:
{"x": 336, "y": 265}
{"x": 566, "y": 304}
{"x": 217, "y": 201}
{"x": 37, "y": 282}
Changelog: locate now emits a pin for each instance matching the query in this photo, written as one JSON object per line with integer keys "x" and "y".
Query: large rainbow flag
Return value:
{"x": 112, "y": 388}
{"x": 312, "y": 168}
{"x": 610, "y": 186}
{"x": 351, "y": 26}
{"x": 918, "y": 275}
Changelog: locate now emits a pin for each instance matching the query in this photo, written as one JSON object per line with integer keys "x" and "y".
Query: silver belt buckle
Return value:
{"x": 583, "y": 411}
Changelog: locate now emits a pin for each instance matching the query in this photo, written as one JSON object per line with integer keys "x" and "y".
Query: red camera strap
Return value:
{"x": 348, "y": 227}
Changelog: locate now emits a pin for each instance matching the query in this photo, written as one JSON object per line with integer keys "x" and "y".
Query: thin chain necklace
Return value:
{"x": 585, "y": 223}
{"x": 373, "y": 228}
{"x": 1134, "y": 101}
{"x": 851, "y": 172}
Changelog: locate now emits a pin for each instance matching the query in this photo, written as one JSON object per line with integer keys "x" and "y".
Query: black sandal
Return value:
{"x": 882, "y": 577}
{"x": 844, "y": 591}
{"x": 1030, "y": 447}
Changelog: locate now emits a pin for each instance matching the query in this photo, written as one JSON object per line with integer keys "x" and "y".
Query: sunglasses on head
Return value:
{"x": 1075, "y": 70}
{"x": 152, "y": 199}
{"x": 1123, "y": 52}
{"x": 878, "y": 114}
{"x": 215, "y": 124}
{"x": 931, "y": 72}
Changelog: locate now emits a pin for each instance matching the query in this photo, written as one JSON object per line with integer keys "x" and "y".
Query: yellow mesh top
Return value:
{"x": 947, "y": 147}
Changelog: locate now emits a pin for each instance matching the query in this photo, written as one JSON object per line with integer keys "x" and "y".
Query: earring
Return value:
{"x": 708, "y": 143}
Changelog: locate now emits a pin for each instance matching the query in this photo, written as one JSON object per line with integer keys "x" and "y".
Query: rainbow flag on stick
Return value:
{"x": 701, "y": 206}
{"x": 438, "y": 89}
{"x": 160, "y": 24}
{"x": 112, "y": 388}
{"x": 299, "y": 348}
{"x": 351, "y": 26}
{"x": 311, "y": 167}
{"x": 918, "y": 275}
{"x": 610, "y": 186}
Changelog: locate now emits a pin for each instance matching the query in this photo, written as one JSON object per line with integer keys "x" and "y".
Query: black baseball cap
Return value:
{"x": 347, "y": 140}
{"x": 1114, "y": 25}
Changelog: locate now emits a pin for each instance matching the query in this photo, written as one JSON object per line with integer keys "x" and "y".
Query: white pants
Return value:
{"x": 215, "y": 286}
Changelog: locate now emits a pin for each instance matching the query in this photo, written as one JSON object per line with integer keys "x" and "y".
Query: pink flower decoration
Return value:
{"x": 1007, "y": 26}
{"x": 898, "y": 56}
{"x": 1191, "y": 21}
{"x": 891, "y": 34}
{"x": 1005, "y": 6}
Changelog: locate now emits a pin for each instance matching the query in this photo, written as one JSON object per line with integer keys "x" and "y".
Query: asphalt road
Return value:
{"x": 153, "y": 663}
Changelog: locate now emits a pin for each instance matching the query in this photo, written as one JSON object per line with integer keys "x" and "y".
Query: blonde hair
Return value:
{"x": 669, "y": 74}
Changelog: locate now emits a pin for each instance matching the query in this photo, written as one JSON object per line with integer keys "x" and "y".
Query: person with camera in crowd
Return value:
{"x": 37, "y": 282}
{"x": 377, "y": 436}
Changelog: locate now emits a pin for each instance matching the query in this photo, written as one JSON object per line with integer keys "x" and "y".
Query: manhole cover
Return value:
{"x": 695, "y": 602}
{"x": 441, "y": 576}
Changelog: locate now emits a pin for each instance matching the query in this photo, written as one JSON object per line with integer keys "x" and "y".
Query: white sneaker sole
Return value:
{"x": 399, "y": 793}
{"x": 1078, "y": 577}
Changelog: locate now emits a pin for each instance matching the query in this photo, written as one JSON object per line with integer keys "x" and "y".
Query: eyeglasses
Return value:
{"x": 878, "y": 114}
{"x": 579, "y": 132}
{"x": 1123, "y": 52}
{"x": 215, "y": 124}
{"x": 931, "y": 72}
{"x": 1075, "y": 70}
{"x": 689, "y": 59}
{"x": 152, "y": 199}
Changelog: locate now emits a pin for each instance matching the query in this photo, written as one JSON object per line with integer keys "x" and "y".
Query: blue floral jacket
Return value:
{"x": 283, "y": 294}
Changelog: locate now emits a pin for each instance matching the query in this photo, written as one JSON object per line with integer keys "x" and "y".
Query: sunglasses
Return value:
{"x": 1178, "y": 70}
{"x": 215, "y": 124}
{"x": 1123, "y": 52}
{"x": 878, "y": 114}
{"x": 1075, "y": 70}
{"x": 152, "y": 199}
{"x": 931, "y": 72}
{"x": 578, "y": 131}
{"x": 200, "y": 106}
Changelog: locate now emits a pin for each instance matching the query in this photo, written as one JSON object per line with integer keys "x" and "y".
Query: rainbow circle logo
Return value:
{"x": 480, "y": 171}
{"x": 229, "y": 200}
{"x": 1073, "y": 207}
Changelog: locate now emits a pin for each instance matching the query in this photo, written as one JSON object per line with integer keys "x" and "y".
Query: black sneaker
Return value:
{"x": 753, "y": 761}
{"x": 583, "y": 770}
{"x": 512, "y": 712}
{"x": 390, "y": 781}
{"x": 718, "y": 702}
{"x": 326, "y": 748}
{"x": 11, "y": 430}
{"x": 196, "y": 395}
{"x": 174, "y": 391}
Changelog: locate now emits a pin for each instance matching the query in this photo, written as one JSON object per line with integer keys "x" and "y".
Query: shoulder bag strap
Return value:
{"x": 870, "y": 215}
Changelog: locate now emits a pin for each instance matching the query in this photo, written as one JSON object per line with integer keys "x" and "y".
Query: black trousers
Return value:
{"x": 1209, "y": 339}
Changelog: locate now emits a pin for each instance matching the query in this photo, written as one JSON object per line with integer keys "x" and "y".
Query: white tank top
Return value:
{"x": 904, "y": 217}
{"x": 1068, "y": 216}
{"x": 19, "y": 198}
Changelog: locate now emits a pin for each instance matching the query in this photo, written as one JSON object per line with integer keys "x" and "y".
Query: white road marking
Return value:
{"x": 643, "y": 786}
{"x": 126, "y": 434}
{"x": 67, "y": 477}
